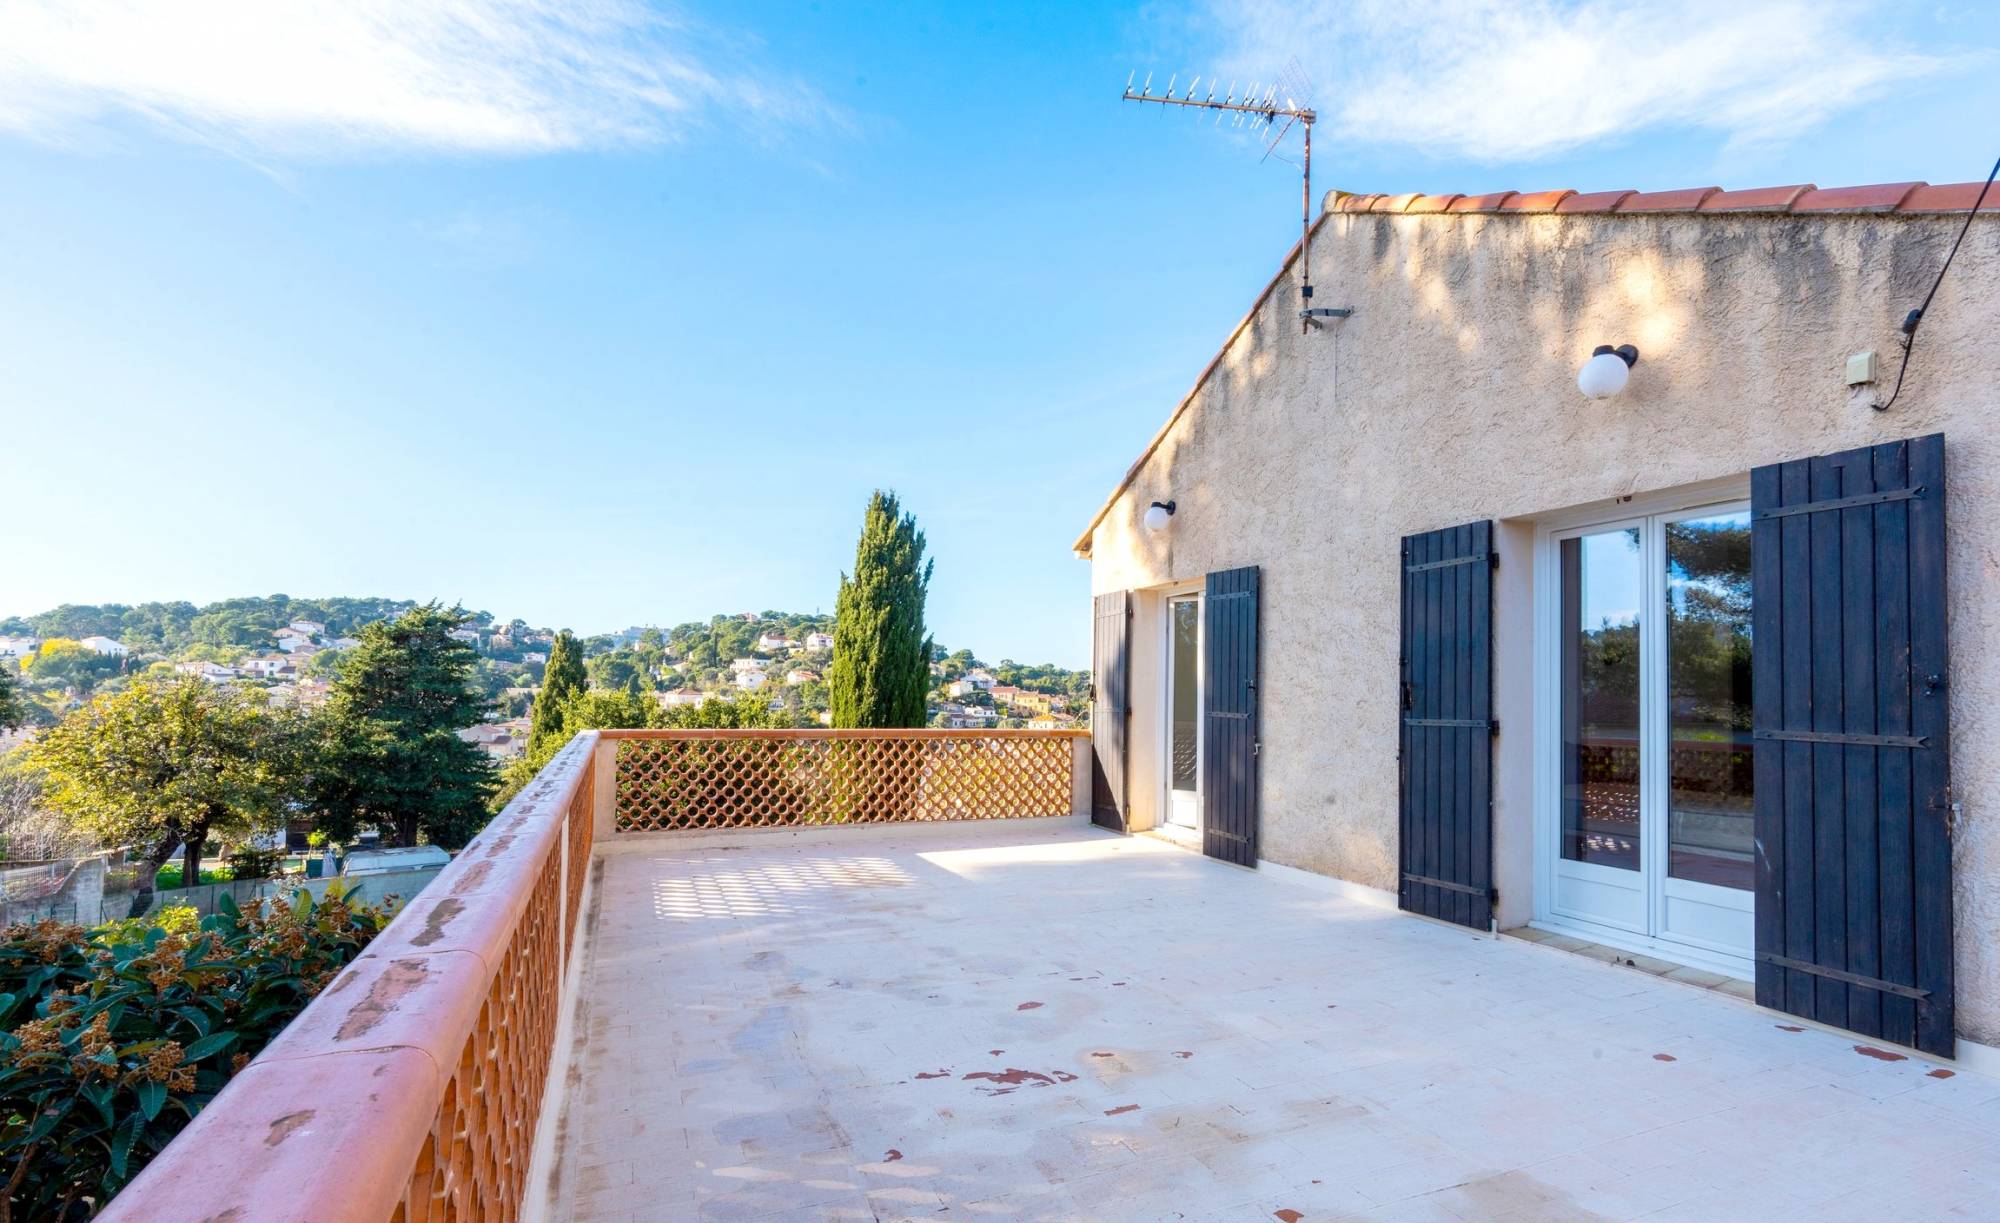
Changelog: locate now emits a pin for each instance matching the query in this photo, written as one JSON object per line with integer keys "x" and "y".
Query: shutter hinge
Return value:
{"x": 1493, "y": 728}
{"x": 1493, "y": 896}
{"x": 1493, "y": 559}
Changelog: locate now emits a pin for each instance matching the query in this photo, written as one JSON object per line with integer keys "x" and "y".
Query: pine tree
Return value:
{"x": 389, "y": 753}
{"x": 881, "y": 654}
{"x": 563, "y": 678}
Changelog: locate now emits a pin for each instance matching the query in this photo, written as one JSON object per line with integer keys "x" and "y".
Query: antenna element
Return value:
{"x": 1264, "y": 104}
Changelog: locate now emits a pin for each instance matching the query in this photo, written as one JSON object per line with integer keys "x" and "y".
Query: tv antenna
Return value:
{"x": 1265, "y": 104}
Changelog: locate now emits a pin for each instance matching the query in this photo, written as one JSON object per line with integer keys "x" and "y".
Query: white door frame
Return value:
{"x": 1194, "y": 594}
{"x": 1647, "y": 513}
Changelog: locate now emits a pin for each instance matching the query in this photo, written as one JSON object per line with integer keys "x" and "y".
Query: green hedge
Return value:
{"x": 115, "y": 1038}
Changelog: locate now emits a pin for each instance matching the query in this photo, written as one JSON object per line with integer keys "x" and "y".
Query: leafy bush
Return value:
{"x": 112, "y": 1043}
{"x": 253, "y": 862}
{"x": 170, "y": 876}
{"x": 184, "y": 920}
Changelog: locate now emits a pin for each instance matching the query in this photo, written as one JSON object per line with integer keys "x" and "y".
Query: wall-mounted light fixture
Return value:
{"x": 1605, "y": 374}
{"x": 1158, "y": 515}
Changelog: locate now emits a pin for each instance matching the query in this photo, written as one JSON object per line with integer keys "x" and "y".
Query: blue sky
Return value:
{"x": 618, "y": 318}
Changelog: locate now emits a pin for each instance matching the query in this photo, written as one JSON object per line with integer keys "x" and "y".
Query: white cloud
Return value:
{"x": 322, "y": 77}
{"x": 1503, "y": 80}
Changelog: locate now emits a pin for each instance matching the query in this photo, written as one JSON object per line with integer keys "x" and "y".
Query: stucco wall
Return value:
{"x": 1451, "y": 395}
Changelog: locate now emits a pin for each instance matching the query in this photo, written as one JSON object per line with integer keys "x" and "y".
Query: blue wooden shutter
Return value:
{"x": 1852, "y": 746}
{"x": 1110, "y": 707}
{"x": 1229, "y": 730}
{"x": 1446, "y": 756}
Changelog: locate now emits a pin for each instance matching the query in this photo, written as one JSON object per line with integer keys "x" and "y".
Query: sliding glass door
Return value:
{"x": 1651, "y": 678}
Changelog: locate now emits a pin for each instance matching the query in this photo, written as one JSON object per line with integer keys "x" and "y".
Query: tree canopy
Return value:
{"x": 13, "y": 706}
{"x": 168, "y": 761}
{"x": 881, "y": 654}
{"x": 562, "y": 678}
{"x": 388, "y": 751}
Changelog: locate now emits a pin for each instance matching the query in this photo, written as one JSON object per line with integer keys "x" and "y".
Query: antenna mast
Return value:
{"x": 1265, "y": 104}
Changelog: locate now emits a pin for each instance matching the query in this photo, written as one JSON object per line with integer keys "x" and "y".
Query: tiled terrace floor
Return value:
{"x": 967, "y": 1023}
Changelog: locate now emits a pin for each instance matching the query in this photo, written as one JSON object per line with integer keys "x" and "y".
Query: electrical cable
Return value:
{"x": 1916, "y": 317}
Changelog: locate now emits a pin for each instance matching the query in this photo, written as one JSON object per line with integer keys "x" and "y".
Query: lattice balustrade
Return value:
{"x": 474, "y": 1164}
{"x": 350, "y": 1117}
{"x": 679, "y": 780}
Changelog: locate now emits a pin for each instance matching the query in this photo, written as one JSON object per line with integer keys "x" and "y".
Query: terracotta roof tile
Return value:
{"x": 1950, "y": 197}
{"x": 1756, "y": 199}
{"x": 1879, "y": 197}
{"x": 1537, "y": 201}
{"x": 1596, "y": 201}
{"x": 1687, "y": 199}
{"x": 1489, "y": 202}
{"x": 1799, "y": 197}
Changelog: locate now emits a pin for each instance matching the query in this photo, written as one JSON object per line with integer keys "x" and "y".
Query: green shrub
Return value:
{"x": 170, "y": 876}
{"x": 184, "y": 920}
{"x": 251, "y": 862}
{"x": 110, "y": 1044}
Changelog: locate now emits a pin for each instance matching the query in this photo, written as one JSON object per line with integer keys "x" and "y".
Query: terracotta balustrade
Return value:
{"x": 717, "y": 779}
{"x": 413, "y": 1087}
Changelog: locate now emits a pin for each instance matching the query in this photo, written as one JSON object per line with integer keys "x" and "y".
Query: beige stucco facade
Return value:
{"x": 1451, "y": 396}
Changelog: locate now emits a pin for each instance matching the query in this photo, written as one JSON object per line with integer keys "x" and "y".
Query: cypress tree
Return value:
{"x": 562, "y": 678}
{"x": 881, "y": 654}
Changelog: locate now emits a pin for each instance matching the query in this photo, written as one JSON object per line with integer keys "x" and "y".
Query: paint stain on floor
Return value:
{"x": 1786, "y": 1027}
{"x": 1287, "y": 1215}
{"x": 1122, "y": 1108}
{"x": 1665, "y": 1057}
{"x": 1027, "y": 1006}
{"x": 1183, "y": 1054}
{"x": 1880, "y": 1055}
{"x": 1942, "y": 1073}
{"x": 891, "y": 1156}
{"x": 1104, "y": 1055}
{"x": 934, "y": 1074}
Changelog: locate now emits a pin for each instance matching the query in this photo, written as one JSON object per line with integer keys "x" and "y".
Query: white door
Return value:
{"x": 1652, "y": 826}
{"x": 1184, "y": 711}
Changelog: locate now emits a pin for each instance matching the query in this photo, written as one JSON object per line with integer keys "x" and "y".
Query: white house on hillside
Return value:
{"x": 105, "y": 645}
{"x": 468, "y": 635}
{"x": 18, "y": 647}
{"x": 751, "y": 680}
{"x": 773, "y": 642}
{"x": 311, "y": 628}
{"x": 819, "y": 642}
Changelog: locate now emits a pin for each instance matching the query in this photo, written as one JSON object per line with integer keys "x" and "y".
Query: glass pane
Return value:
{"x": 1709, "y": 819}
{"x": 1186, "y": 630}
{"x": 1602, "y": 590}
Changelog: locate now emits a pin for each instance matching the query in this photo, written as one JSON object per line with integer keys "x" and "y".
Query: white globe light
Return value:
{"x": 1603, "y": 376}
{"x": 1157, "y": 517}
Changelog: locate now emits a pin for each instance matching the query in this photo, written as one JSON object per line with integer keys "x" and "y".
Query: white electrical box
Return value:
{"x": 1861, "y": 368}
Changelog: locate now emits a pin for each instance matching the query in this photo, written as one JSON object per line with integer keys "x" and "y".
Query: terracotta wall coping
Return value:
{"x": 326, "y": 1123}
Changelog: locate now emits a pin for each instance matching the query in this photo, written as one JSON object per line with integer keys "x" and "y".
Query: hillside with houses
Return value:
{"x": 291, "y": 649}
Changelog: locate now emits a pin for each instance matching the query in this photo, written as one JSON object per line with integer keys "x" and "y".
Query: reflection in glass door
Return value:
{"x": 1184, "y": 718}
{"x": 1602, "y": 580}
{"x": 1653, "y": 799}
